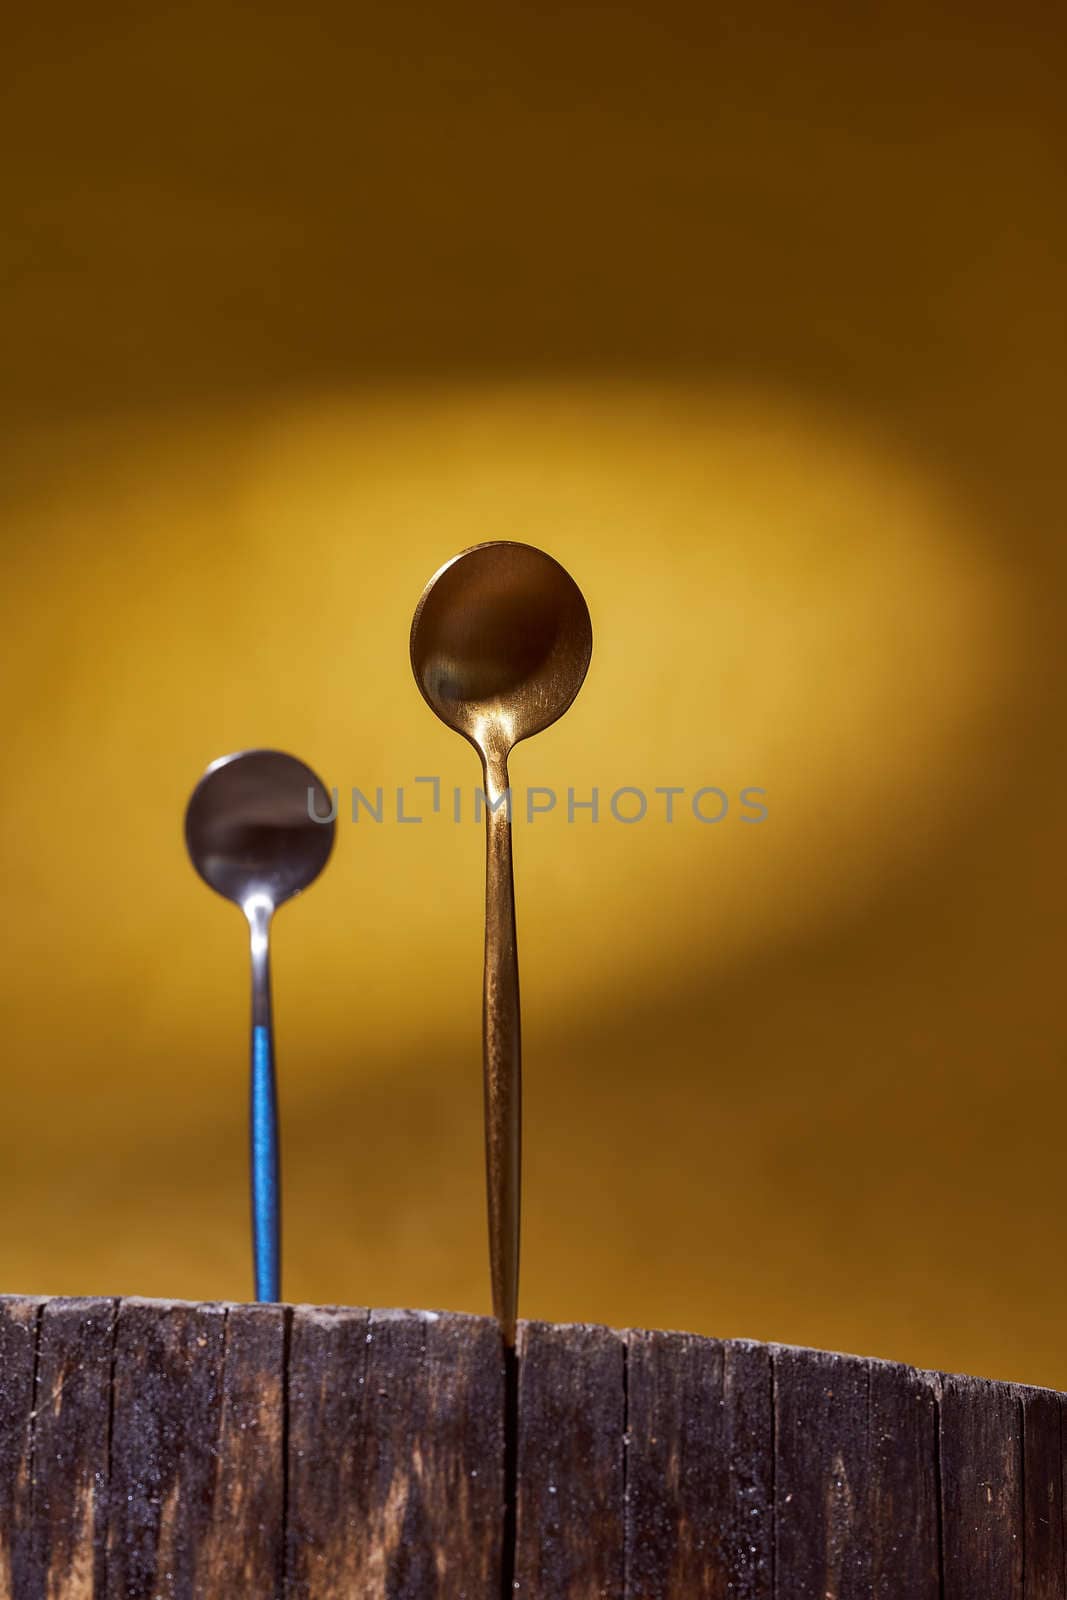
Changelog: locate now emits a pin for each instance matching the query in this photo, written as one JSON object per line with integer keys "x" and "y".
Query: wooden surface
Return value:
{"x": 163, "y": 1450}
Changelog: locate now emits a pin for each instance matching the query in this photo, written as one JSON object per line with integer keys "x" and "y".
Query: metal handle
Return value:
{"x": 263, "y": 1119}
{"x": 501, "y": 1052}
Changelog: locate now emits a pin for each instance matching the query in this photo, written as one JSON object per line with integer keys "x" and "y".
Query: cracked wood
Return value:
{"x": 159, "y": 1451}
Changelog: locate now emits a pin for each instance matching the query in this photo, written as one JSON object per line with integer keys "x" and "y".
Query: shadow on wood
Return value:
{"x": 158, "y": 1450}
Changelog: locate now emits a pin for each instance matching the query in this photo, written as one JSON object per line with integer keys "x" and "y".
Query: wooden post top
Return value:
{"x": 238, "y": 1452}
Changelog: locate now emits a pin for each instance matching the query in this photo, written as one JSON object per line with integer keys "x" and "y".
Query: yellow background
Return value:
{"x": 756, "y": 324}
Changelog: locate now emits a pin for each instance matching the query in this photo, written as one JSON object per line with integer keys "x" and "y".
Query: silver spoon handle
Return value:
{"x": 501, "y": 1053}
{"x": 263, "y": 1119}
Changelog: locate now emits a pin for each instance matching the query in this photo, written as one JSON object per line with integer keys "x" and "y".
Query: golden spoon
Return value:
{"x": 500, "y": 645}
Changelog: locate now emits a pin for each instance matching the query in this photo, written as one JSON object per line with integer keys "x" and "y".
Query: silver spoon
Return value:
{"x": 251, "y": 833}
{"x": 500, "y": 645}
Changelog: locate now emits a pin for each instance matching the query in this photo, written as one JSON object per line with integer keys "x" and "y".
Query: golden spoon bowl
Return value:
{"x": 500, "y": 643}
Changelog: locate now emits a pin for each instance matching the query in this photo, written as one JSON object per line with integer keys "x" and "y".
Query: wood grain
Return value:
{"x": 396, "y": 1456}
{"x": 326, "y": 1509}
{"x": 982, "y": 1491}
{"x": 243, "y": 1554}
{"x": 167, "y": 1406}
{"x": 572, "y": 1422}
{"x": 698, "y": 1469}
{"x": 158, "y": 1451}
{"x": 1043, "y": 1542}
{"x": 821, "y": 1476}
{"x": 19, "y": 1327}
{"x": 903, "y": 1512}
{"x": 69, "y": 1495}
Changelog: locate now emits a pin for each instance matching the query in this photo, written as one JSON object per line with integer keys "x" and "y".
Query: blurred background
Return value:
{"x": 755, "y": 322}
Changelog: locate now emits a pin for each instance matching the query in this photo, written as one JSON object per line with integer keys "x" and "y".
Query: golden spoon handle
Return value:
{"x": 501, "y": 1052}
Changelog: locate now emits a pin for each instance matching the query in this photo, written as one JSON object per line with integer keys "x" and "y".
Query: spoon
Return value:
{"x": 500, "y": 645}
{"x": 251, "y": 836}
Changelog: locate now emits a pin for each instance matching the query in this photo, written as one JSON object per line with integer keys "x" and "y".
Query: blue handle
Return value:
{"x": 266, "y": 1197}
